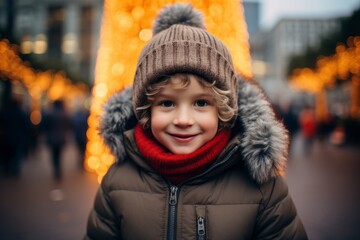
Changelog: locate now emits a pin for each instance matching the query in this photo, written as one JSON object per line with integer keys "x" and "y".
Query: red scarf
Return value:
{"x": 179, "y": 167}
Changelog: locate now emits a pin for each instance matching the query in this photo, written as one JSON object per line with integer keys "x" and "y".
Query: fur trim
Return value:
{"x": 117, "y": 118}
{"x": 264, "y": 140}
{"x": 178, "y": 14}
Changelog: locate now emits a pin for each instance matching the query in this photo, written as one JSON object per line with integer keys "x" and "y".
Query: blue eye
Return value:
{"x": 167, "y": 104}
{"x": 201, "y": 103}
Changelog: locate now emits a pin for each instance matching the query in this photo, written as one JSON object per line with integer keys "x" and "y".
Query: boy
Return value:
{"x": 199, "y": 151}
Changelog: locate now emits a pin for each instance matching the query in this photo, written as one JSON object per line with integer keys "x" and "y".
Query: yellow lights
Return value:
{"x": 93, "y": 162}
{"x": 145, "y": 35}
{"x": 40, "y": 44}
{"x": 126, "y": 28}
{"x": 216, "y": 10}
{"x": 43, "y": 80}
{"x": 38, "y": 83}
{"x": 125, "y": 21}
{"x": 26, "y": 46}
{"x": 94, "y": 148}
{"x": 346, "y": 60}
{"x": 118, "y": 69}
{"x": 69, "y": 44}
{"x": 138, "y": 12}
{"x": 340, "y": 66}
{"x": 306, "y": 80}
{"x": 100, "y": 90}
{"x": 58, "y": 88}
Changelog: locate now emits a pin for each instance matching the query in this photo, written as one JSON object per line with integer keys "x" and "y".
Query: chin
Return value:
{"x": 183, "y": 151}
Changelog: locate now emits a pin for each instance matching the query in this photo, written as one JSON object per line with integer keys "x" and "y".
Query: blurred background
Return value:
{"x": 58, "y": 66}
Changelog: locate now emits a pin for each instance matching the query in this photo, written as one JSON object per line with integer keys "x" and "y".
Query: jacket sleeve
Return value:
{"x": 277, "y": 218}
{"x": 102, "y": 222}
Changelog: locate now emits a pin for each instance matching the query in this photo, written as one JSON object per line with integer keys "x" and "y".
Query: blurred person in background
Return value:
{"x": 288, "y": 115}
{"x": 307, "y": 123}
{"x": 56, "y": 127}
{"x": 14, "y": 134}
{"x": 325, "y": 127}
{"x": 79, "y": 126}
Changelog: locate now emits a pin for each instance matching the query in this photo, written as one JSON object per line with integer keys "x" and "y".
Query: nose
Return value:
{"x": 184, "y": 117}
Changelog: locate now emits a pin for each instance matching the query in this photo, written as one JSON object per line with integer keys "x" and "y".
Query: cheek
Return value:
{"x": 211, "y": 123}
{"x": 158, "y": 121}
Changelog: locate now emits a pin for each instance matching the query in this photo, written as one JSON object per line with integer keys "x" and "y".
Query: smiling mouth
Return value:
{"x": 183, "y": 138}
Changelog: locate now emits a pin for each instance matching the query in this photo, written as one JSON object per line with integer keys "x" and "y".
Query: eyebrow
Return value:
{"x": 204, "y": 95}
{"x": 162, "y": 95}
{"x": 201, "y": 95}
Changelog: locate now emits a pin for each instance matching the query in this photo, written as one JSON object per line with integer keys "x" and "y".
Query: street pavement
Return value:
{"x": 324, "y": 184}
{"x": 35, "y": 207}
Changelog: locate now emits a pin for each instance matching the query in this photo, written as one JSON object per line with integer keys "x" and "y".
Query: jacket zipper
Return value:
{"x": 174, "y": 196}
{"x": 172, "y": 213}
{"x": 200, "y": 228}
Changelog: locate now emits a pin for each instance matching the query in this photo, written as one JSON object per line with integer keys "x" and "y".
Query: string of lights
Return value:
{"x": 53, "y": 85}
{"x": 343, "y": 65}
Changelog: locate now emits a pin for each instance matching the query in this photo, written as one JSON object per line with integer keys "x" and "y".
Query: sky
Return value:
{"x": 273, "y": 10}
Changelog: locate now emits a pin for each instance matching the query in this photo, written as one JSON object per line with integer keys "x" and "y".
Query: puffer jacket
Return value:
{"x": 241, "y": 196}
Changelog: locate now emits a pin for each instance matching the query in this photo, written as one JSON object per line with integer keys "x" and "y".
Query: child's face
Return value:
{"x": 184, "y": 119}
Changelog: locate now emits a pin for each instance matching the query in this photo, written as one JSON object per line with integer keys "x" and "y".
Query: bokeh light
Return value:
{"x": 51, "y": 85}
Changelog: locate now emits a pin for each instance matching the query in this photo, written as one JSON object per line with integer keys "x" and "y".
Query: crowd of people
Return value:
{"x": 334, "y": 129}
{"x": 20, "y": 138}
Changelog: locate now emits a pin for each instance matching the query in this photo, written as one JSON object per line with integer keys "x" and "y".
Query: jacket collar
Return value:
{"x": 263, "y": 139}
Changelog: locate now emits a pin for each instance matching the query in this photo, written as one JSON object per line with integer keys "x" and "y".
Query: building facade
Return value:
{"x": 290, "y": 36}
{"x": 62, "y": 32}
{"x": 252, "y": 17}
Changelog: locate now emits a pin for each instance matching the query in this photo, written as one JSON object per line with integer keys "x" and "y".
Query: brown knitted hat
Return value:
{"x": 181, "y": 45}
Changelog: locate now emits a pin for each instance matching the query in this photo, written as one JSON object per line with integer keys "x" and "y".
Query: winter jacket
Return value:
{"x": 241, "y": 196}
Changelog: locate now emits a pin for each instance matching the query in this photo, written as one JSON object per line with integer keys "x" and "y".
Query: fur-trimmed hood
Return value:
{"x": 264, "y": 140}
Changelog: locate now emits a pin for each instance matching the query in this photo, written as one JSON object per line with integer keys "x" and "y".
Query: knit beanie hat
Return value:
{"x": 180, "y": 44}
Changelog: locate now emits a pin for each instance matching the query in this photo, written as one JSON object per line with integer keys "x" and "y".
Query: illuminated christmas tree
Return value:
{"x": 126, "y": 27}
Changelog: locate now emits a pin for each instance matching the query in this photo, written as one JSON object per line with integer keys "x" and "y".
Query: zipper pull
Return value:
{"x": 173, "y": 195}
{"x": 201, "y": 228}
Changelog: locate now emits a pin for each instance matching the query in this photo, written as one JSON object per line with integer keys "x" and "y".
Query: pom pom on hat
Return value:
{"x": 178, "y": 14}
